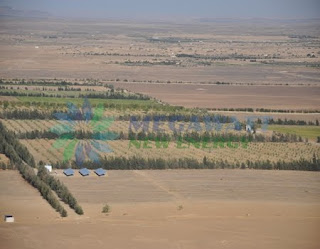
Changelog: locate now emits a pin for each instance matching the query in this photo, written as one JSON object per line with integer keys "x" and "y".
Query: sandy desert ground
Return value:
{"x": 214, "y": 96}
{"x": 218, "y": 209}
{"x": 196, "y": 53}
{"x": 49, "y": 48}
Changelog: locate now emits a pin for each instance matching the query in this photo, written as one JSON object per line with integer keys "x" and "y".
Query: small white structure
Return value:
{"x": 249, "y": 129}
{"x": 48, "y": 167}
{"x": 9, "y": 218}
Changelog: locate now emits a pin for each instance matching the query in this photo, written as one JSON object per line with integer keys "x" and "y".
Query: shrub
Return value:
{"x": 106, "y": 209}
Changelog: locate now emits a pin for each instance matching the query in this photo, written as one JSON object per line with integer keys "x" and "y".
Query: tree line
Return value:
{"x": 248, "y": 109}
{"x": 20, "y": 156}
{"x": 114, "y": 95}
{"x": 32, "y": 114}
{"x": 42, "y": 134}
{"x": 188, "y": 117}
{"x": 28, "y": 174}
{"x": 290, "y": 122}
{"x": 163, "y": 136}
{"x": 140, "y": 163}
{"x": 37, "y": 134}
{"x": 61, "y": 190}
{"x": 106, "y": 95}
{"x": 8, "y": 165}
{"x": 47, "y": 83}
{"x": 66, "y": 88}
{"x": 27, "y": 114}
{"x": 130, "y": 105}
{"x": 211, "y": 136}
{"x": 13, "y": 149}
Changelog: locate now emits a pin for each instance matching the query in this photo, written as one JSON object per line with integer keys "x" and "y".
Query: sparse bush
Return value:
{"x": 106, "y": 209}
{"x": 64, "y": 213}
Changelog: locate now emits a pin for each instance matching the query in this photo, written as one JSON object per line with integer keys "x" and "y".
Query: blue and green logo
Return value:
{"x": 83, "y": 132}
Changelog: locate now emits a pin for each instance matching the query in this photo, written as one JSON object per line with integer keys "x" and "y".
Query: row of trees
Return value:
{"x": 290, "y": 122}
{"x": 61, "y": 190}
{"x": 114, "y": 95}
{"x": 20, "y": 156}
{"x": 47, "y": 83}
{"x": 32, "y": 105}
{"x": 13, "y": 149}
{"x": 66, "y": 88}
{"x": 28, "y": 174}
{"x": 40, "y": 134}
{"x": 211, "y": 136}
{"x": 37, "y": 134}
{"x": 263, "y": 110}
{"x": 106, "y": 95}
{"x": 31, "y": 114}
{"x": 27, "y": 114}
{"x": 127, "y": 105}
{"x": 5, "y": 166}
{"x": 188, "y": 117}
{"x": 151, "y": 136}
{"x": 139, "y": 163}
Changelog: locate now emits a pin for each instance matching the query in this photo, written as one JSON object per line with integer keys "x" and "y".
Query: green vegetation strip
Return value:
{"x": 311, "y": 132}
{"x": 46, "y": 184}
{"x": 79, "y": 101}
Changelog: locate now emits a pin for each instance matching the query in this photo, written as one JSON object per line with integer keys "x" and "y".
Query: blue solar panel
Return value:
{"x": 68, "y": 172}
{"x": 100, "y": 172}
{"x": 84, "y": 172}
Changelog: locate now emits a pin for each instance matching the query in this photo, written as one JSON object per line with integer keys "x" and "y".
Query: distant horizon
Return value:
{"x": 31, "y": 13}
{"x": 178, "y": 9}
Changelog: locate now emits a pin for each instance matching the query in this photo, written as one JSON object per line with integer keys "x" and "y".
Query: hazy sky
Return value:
{"x": 173, "y": 8}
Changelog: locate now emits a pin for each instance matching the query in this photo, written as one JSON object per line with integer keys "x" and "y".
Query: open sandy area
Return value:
{"x": 214, "y": 96}
{"x": 169, "y": 209}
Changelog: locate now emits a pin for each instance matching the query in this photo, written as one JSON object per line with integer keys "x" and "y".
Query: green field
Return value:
{"x": 61, "y": 93}
{"x": 306, "y": 131}
{"x": 79, "y": 101}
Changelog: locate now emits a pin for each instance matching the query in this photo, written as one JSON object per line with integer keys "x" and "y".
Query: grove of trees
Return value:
{"x": 22, "y": 160}
{"x": 140, "y": 163}
{"x": 61, "y": 190}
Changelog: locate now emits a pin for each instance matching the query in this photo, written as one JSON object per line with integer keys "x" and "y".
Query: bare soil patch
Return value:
{"x": 273, "y": 97}
{"x": 218, "y": 209}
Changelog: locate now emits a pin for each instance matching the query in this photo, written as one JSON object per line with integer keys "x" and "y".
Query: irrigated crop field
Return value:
{"x": 236, "y": 152}
{"x": 43, "y": 149}
{"x": 311, "y": 132}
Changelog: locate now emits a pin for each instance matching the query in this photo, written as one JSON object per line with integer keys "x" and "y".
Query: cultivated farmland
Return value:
{"x": 42, "y": 149}
{"x": 69, "y": 90}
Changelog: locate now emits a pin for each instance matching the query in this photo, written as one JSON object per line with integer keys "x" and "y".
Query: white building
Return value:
{"x": 9, "y": 218}
{"x": 48, "y": 167}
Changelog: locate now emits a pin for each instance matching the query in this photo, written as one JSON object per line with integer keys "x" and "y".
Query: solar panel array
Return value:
{"x": 85, "y": 172}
